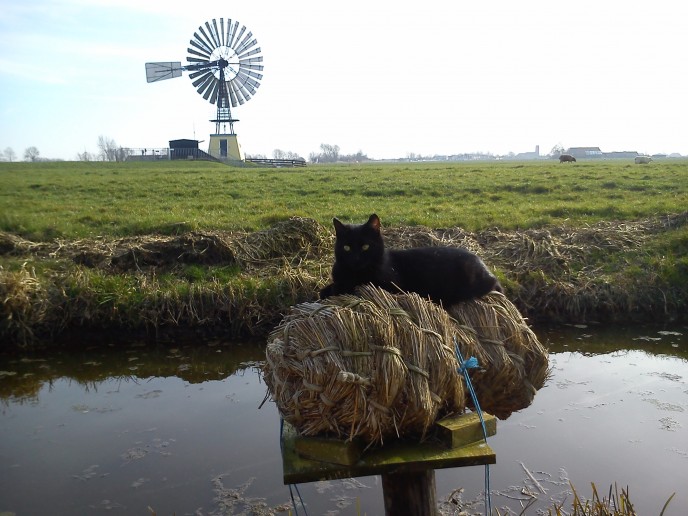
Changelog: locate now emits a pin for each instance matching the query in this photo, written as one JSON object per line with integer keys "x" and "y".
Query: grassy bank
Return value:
{"x": 152, "y": 247}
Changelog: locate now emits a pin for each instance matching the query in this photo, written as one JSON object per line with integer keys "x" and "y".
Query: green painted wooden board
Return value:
{"x": 397, "y": 456}
{"x": 460, "y": 430}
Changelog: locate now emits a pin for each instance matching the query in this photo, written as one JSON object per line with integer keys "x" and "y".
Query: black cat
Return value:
{"x": 446, "y": 275}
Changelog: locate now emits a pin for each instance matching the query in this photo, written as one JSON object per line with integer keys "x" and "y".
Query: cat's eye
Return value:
{"x": 347, "y": 248}
{"x": 365, "y": 247}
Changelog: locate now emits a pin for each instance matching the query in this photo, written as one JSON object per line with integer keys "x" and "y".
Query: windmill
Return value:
{"x": 225, "y": 65}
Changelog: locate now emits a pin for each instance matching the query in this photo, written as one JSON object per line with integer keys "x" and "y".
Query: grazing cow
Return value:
{"x": 566, "y": 158}
{"x": 642, "y": 160}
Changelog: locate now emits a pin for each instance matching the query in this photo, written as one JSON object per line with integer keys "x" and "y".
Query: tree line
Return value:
{"x": 30, "y": 154}
{"x": 328, "y": 154}
{"x": 108, "y": 150}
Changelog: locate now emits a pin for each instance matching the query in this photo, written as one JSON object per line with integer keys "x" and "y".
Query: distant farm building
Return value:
{"x": 596, "y": 153}
{"x": 585, "y": 152}
{"x": 529, "y": 155}
{"x": 621, "y": 154}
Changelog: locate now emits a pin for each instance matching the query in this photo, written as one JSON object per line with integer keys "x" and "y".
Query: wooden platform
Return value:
{"x": 459, "y": 443}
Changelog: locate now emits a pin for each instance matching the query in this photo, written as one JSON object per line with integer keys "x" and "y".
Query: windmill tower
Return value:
{"x": 225, "y": 65}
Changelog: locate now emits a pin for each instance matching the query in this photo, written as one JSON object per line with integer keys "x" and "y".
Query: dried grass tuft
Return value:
{"x": 22, "y": 305}
{"x": 381, "y": 365}
{"x": 290, "y": 241}
{"x": 293, "y": 240}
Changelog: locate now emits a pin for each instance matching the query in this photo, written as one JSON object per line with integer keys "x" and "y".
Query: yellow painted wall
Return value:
{"x": 220, "y": 142}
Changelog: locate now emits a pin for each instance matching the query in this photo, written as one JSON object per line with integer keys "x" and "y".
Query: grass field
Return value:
{"x": 132, "y": 246}
{"x": 75, "y": 200}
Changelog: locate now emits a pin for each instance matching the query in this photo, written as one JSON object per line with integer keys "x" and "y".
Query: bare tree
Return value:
{"x": 109, "y": 151}
{"x": 556, "y": 151}
{"x": 329, "y": 154}
{"x": 85, "y": 156}
{"x": 10, "y": 155}
{"x": 31, "y": 154}
{"x": 354, "y": 158}
{"x": 280, "y": 154}
{"x": 107, "y": 147}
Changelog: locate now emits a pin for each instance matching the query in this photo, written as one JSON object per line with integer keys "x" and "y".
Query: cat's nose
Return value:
{"x": 358, "y": 263}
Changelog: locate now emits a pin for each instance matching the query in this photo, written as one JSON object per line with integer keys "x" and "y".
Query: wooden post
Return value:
{"x": 409, "y": 493}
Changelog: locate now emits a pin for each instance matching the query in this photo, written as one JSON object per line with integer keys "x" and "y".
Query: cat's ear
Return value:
{"x": 374, "y": 222}
{"x": 338, "y": 225}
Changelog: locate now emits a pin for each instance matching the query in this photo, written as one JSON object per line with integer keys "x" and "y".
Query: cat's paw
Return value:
{"x": 327, "y": 291}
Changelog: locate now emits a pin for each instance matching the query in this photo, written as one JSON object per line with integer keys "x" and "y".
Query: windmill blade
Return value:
{"x": 250, "y": 70}
{"x": 247, "y": 92}
{"x": 247, "y": 88}
{"x": 212, "y": 91}
{"x": 239, "y": 79}
{"x": 198, "y": 61}
{"x": 193, "y": 75}
{"x": 209, "y": 88}
{"x": 216, "y": 33}
{"x": 200, "y": 43}
{"x": 207, "y": 41}
{"x": 251, "y": 60}
{"x": 228, "y": 37}
{"x": 255, "y": 76}
{"x": 215, "y": 42}
{"x": 234, "y": 95}
{"x": 163, "y": 70}
{"x": 239, "y": 36}
{"x": 215, "y": 90}
{"x": 206, "y": 88}
{"x": 252, "y": 53}
{"x": 232, "y": 32}
{"x": 204, "y": 76}
{"x": 222, "y": 30}
{"x": 251, "y": 81}
{"x": 246, "y": 44}
{"x": 237, "y": 92}
{"x": 202, "y": 55}
{"x": 204, "y": 83}
{"x": 250, "y": 64}
{"x": 202, "y": 48}
{"x": 223, "y": 99}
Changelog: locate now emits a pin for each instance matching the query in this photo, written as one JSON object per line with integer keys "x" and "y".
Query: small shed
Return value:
{"x": 183, "y": 149}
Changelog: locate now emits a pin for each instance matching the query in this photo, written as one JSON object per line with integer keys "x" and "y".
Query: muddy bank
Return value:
{"x": 240, "y": 284}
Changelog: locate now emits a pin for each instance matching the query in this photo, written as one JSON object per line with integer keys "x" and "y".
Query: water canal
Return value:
{"x": 176, "y": 429}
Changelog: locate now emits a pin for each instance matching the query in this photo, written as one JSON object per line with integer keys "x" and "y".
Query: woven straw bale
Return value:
{"x": 377, "y": 365}
{"x": 514, "y": 364}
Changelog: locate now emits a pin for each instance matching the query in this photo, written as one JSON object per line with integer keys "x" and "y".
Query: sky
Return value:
{"x": 388, "y": 78}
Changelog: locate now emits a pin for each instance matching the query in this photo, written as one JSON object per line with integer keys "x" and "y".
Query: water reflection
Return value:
{"x": 125, "y": 428}
{"x": 594, "y": 340}
{"x": 178, "y": 429}
{"x": 22, "y": 377}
